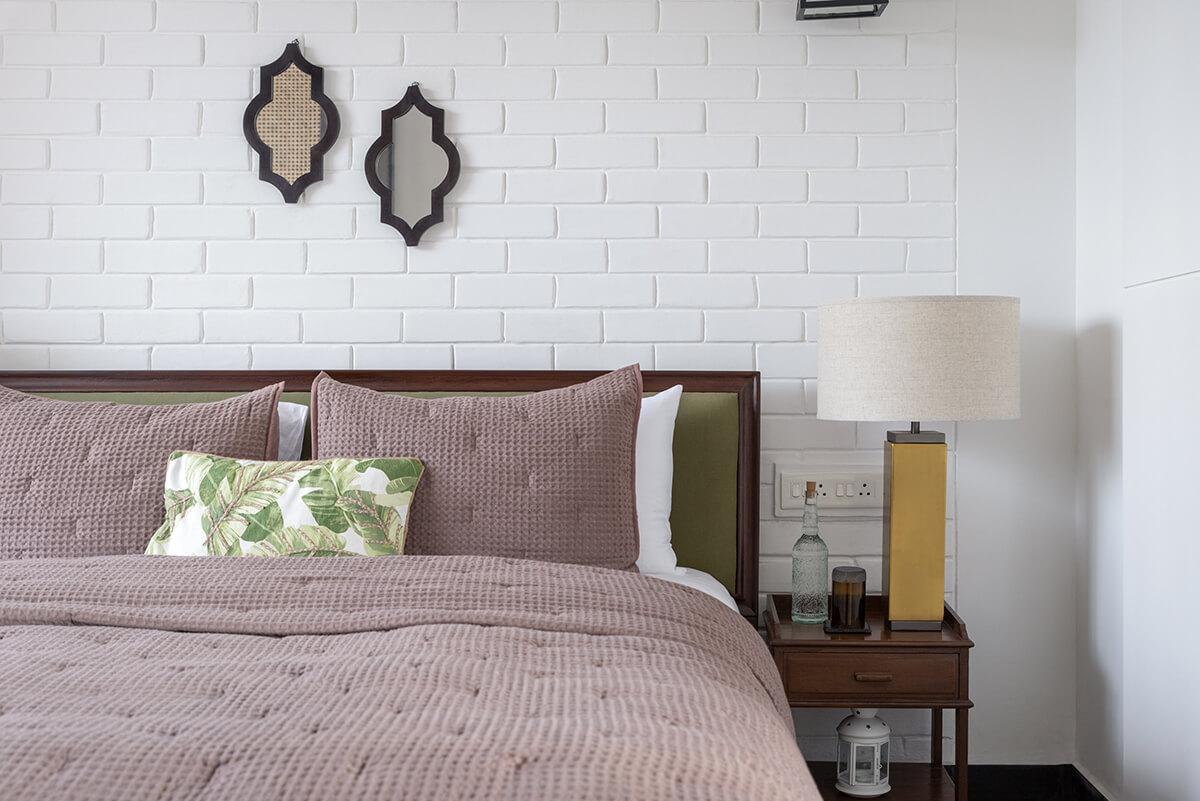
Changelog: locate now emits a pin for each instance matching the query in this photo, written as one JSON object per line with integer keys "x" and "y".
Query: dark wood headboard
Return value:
{"x": 745, "y": 385}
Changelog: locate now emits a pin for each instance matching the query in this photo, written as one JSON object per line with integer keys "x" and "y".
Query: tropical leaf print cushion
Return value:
{"x": 335, "y": 507}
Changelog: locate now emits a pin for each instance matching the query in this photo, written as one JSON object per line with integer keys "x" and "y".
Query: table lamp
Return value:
{"x": 918, "y": 358}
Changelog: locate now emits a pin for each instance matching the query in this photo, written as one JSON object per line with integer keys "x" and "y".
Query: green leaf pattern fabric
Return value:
{"x": 336, "y": 507}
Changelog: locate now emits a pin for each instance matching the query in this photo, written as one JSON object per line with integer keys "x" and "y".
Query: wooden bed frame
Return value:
{"x": 746, "y": 386}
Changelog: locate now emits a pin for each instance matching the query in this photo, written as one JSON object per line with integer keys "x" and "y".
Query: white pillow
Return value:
{"x": 654, "y": 462}
{"x": 293, "y": 417}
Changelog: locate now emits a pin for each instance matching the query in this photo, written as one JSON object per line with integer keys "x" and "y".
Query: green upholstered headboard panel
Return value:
{"x": 704, "y": 494}
{"x": 714, "y": 498}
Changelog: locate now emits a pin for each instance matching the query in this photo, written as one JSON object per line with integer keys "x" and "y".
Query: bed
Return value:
{"x": 428, "y": 675}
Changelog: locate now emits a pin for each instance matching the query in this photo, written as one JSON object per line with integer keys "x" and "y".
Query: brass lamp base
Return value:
{"x": 914, "y": 529}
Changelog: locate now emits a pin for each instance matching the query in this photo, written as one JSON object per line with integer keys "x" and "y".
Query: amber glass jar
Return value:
{"x": 848, "y": 607}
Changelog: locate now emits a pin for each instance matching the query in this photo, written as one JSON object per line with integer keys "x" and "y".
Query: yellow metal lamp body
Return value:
{"x": 914, "y": 531}
{"x": 918, "y": 358}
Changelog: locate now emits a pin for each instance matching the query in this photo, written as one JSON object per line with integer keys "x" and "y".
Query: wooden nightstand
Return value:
{"x": 885, "y": 669}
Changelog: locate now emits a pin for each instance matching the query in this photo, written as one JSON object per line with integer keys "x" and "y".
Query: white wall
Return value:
{"x": 674, "y": 183}
{"x": 1161, "y": 275}
{"x": 1161, "y": 677}
{"x": 1016, "y": 481}
{"x": 1139, "y": 289}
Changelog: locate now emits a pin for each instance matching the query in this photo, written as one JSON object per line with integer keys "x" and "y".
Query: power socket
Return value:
{"x": 835, "y": 490}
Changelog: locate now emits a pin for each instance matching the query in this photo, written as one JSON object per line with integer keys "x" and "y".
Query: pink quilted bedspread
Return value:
{"x": 133, "y": 677}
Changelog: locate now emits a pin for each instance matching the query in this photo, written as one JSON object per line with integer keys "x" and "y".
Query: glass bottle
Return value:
{"x": 810, "y": 566}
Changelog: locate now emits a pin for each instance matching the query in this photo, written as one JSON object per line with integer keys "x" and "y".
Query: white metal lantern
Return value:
{"x": 862, "y": 757}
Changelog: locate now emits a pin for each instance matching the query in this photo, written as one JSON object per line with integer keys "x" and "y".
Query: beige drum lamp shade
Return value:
{"x": 920, "y": 358}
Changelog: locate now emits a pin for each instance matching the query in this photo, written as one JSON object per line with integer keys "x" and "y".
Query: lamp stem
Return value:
{"x": 914, "y": 427}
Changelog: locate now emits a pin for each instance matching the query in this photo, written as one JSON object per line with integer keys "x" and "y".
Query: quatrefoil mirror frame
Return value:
{"x": 291, "y": 123}
{"x": 384, "y": 153}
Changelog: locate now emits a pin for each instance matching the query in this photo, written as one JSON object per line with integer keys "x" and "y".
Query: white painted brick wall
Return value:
{"x": 24, "y": 291}
{"x": 676, "y": 183}
{"x": 24, "y": 83}
{"x": 406, "y": 17}
{"x": 158, "y": 50}
{"x": 104, "y": 222}
{"x": 540, "y": 50}
{"x": 99, "y": 291}
{"x": 159, "y": 188}
{"x": 26, "y": 16}
{"x": 200, "y": 292}
{"x": 205, "y": 15}
{"x": 46, "y": 119}
{"x": 251, "y": 327}
{"x": 37, "y": 188}
{"x": 25, "y": 222}
{"x": 136, "y": 327}
{"x": 605, "y": 291}
{"x": 115, "y": 15}
{"x": 608, "y": 16}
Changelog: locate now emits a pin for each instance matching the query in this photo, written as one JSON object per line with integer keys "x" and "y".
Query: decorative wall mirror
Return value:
{"x": 412, "y": 165}
{"x": 291, "y": 123}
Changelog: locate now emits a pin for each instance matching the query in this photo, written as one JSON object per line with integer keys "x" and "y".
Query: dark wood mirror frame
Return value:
{"x": 329, "y": 125}
{"x": 413, "y": 99}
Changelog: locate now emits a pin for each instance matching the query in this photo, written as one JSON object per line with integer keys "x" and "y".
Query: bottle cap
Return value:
{"x": 810, "y": 489}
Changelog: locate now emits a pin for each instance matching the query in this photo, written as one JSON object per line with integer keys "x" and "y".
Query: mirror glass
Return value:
{"x": 411, "y": 166}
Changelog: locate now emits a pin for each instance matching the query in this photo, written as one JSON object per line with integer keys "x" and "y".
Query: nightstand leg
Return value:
{"x": 935, "y": 738}
{"x": 960, "y": 755}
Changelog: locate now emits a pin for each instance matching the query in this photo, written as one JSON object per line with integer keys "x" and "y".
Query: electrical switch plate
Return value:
{"x": 843, "y": 491}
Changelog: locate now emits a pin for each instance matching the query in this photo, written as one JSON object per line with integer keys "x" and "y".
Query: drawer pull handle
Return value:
{"x": 874, "y": 677}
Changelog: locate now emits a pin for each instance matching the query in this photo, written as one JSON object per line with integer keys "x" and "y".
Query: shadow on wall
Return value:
{"x": 1099, "y": 557}
{"x": 1015, "y": 508}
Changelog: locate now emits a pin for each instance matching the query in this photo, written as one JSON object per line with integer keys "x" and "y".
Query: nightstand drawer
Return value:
{"x": 810, "y": 674}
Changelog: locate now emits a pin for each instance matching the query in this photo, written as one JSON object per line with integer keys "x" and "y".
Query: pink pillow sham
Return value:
{"x": 546, "y": 476}
{"x": 83, "y": 478}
